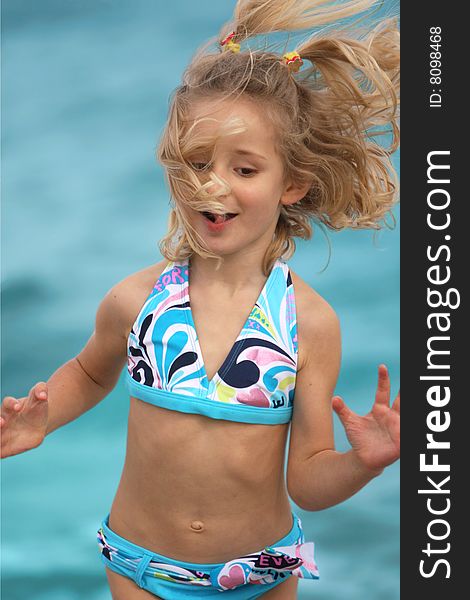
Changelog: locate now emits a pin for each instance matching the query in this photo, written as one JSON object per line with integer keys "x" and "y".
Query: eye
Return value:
{"x": 199, "y": 166}
{"x": 247, "y": 172}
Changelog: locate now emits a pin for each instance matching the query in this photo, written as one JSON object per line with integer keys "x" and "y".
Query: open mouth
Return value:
{"x": 216, "y": 218}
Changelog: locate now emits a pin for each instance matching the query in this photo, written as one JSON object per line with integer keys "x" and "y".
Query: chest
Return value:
{"x": 236, "y": 351}
{"x": 218, "y": 322}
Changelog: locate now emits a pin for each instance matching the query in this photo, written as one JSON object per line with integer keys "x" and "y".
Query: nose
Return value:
{"x": 220, "y": 186}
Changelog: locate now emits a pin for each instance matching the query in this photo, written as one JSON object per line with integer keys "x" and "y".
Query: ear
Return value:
{"x": 293, "y": 193}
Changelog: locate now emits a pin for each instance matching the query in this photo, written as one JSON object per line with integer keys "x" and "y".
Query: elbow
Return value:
{"x": 308, "y": 505}
{"x": 299, "y": 502}
{"x": 300, "y": 496}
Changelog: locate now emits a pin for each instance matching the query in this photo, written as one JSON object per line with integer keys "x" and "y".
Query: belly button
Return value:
{"x": 197, "y": 525}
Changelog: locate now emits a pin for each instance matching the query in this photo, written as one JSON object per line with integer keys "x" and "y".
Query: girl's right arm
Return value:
{"x": 79, "y": 384}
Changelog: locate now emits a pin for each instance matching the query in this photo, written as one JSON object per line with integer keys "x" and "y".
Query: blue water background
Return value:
{"x": 85, "y": 87}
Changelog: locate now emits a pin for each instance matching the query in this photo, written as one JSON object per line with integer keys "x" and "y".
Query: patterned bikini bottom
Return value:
{"x": 174, "y": 580}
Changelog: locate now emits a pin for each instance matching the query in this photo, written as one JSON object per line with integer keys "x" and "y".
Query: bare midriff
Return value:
{"x": 198, "y": 489}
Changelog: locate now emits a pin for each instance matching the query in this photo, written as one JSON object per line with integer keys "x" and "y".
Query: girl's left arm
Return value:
{"x": 317, "y": 475}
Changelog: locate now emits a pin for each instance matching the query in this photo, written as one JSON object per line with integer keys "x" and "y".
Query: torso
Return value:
{"x": 198, "y": 489}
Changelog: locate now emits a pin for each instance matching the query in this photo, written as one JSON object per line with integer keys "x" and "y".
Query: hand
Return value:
{"x": 375, "y": 438}
{"x": 23, "y": 421}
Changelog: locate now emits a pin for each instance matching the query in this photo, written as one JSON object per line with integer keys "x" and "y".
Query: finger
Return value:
{"x": 11, "y": 405}
{"x": 396, "y": 403}
{"x": 340, "y": 408}
{"x": 382, "y": 395}
{"x": 40, "y": 391}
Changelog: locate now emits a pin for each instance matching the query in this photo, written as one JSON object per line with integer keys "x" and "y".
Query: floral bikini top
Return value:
{"x": 256, "y": 381}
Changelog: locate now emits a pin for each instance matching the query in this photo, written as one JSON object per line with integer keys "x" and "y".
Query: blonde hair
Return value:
{"x": 327, "y": 117}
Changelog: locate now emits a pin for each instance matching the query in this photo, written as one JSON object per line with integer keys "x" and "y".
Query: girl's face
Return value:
{"x": 248, "y": 162}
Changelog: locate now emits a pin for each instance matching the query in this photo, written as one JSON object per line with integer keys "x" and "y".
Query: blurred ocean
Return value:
{"x": 85, "y": 88}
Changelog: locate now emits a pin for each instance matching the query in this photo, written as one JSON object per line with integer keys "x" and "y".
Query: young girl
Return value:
{"x": 225, "y": 345}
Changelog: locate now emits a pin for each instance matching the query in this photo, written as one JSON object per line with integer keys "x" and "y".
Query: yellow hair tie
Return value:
{"x": 230, "y": 44}
{"x": 293, "y": 61}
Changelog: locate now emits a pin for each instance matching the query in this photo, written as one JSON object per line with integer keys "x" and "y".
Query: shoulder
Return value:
{"x": 124, "y": 300}
{"x": 137, "y": 284}
{"x": 318, "y": 326}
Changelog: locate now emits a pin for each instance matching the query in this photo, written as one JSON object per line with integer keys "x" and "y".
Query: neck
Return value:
{"x": 235, "y": 273}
